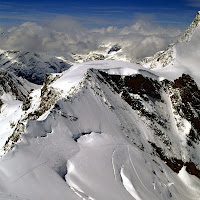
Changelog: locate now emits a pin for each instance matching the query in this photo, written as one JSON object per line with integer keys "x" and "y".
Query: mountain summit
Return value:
{"x": 184, "y": 53}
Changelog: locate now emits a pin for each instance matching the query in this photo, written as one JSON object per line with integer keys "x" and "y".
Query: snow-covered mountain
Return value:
{"x": 185, "y": 52}
{"x": 32, "y": 66}
{"x": 13, "y": 92}
{"x": 105, "y": 52}
{"x": 103, "y": 130}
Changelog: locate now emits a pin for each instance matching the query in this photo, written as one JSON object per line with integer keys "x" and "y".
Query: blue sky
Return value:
{"x": 96, "y": 13}
{"x": 80, "y": 26}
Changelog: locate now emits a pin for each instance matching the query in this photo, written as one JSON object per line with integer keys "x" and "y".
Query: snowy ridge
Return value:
{"x": 191, "y": 29}
{"x": 106, "y": 130}
{"x": 171, "y": 55}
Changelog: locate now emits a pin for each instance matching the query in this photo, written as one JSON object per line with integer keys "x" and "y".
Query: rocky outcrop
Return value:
{"x": 177, "y": 164}
{"x": 114, "y": 48}
{"x": 185, "y": 98}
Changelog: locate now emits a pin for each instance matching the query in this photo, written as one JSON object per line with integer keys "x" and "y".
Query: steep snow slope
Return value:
{"x": 107, "y": 130}
{"x": 185, "y": 52}
{"x": 13, "y": 92}
{"x": 32, "y": 66}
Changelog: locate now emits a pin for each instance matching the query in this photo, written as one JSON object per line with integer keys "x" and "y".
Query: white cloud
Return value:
{"x": 1, "y": 30}
{"x": 64, "y": 34}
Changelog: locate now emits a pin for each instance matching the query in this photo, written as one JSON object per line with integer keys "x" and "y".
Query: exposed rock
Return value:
{"x": 185, "y": 98}
{"x": 15, "y": 137}
{"x": 48, "y": 99}
{"x": 176, "y": 164}
{"x": 1, "y": 104}
{"x": 115, "y": 48}
{"x": 167, "y": 56}
{"x": 10, "y": 84}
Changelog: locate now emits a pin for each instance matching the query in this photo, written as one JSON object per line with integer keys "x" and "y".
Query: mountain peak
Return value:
{"x": 183, "y": 53}
{"x": 191, "y": 29}
{"x": 198, "y": 13}
{"x": 197, "y": 18}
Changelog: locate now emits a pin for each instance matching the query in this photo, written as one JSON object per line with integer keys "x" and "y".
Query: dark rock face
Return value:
{"x": 148, "y": 89}
{"x": 115, "y": 47}
{"x": 1, "y": 104}
{"x": 9, "y": 84}
{"x": 186, "y": 102}
{"x": 176, "y": 164}
{"x": 184, "y": 95}
{"x": 137, "y": 84}
{"x": 185, "y": 99}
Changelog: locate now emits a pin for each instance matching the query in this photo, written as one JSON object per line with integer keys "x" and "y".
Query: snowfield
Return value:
{"x": 103, "y": 130}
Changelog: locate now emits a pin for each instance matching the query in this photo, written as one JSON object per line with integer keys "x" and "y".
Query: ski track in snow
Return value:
{"x": 73, "y": 189}
{"x": 113, "y": 163}
{"x": 41, "y": 164}
{"x": 9, "y": 197}
{"x": 28, "y": 172}
{"x": 137, "y": 173}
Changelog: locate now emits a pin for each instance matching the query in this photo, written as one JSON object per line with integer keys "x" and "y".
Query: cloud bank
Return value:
{"x": 64, "y": 35}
